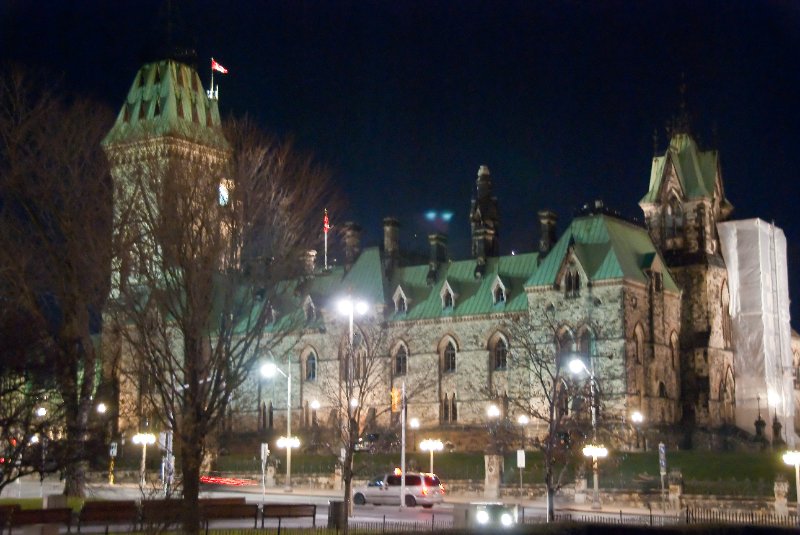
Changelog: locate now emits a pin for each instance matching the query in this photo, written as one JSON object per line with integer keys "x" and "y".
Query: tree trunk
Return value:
{"x": 551, "y": 506}
{"x": 191, "y": 457}
{"x": 77, "y": 414}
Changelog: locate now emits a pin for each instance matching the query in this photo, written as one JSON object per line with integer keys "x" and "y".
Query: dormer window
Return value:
{"x": 572, "y": 283}
{"x": 310, "y": 310}
{"x": 448, "y": 297}
{"x": 400, "y": 301}
{"x": 498, "y": 292}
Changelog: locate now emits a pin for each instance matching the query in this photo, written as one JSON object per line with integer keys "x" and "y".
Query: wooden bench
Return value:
{"x": 161, "y": 512}
{"x": 31, "y": 517}
{"x": 6, "y": 513}
{"x": 228, "y": 511}
{"x": 288, "y": 510}
{"x": 108, "y": 513}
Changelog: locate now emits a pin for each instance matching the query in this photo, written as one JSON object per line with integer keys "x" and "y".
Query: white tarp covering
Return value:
{"x": 755, "y": 255}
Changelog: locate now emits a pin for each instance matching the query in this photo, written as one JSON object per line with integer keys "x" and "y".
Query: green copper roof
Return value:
{"x": 167, "y": 99}
{"x": 607, "y": 248}
{"x": 473, "y": 295}
{"x": 696, "y": 169}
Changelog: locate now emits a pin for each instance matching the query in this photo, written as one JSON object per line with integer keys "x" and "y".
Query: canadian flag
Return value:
{"x": 217, "y": 67}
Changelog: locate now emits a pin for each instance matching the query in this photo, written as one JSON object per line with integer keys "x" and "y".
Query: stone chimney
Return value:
{"x": 391, "y": 244}
{"x": 547, "y": 233}
{"x": 352, "y": 243}
{"x": 438, "y": 255}
{"x": 310, "y": 262}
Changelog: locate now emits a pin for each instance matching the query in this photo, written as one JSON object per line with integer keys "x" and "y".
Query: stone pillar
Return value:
{"x": 493, "y": 472}
{"x": 781, "y": 489}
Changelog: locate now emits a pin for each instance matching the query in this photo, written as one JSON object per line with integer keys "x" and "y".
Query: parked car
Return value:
{"x": 421, "y": 488}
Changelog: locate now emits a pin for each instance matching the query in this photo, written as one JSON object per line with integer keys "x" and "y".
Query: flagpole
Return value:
{"x": 212, "y": 76}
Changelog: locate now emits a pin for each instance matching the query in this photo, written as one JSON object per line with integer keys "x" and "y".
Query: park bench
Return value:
{"x": 161, "y": 512}
{"x": 228, "y": 511}
{"x": 108, "y": 513}
{"x": 288, "y": 510}
{"x": 6, "y": 512}
{"x": 61, "y": 516}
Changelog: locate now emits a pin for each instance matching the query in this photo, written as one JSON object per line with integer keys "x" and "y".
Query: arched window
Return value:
{"x": 401, "y": 304}
{"x": 586, "y": 343}
{"x": 662, "y": 390}
{"x": 674, "y": 351}
{"x": 311, "y": 367}
{"x": 726, "y": 315}
{"x": 445, "y": 409}
{"x": 638, "y": 339}
{"x": 401, "y": 361}
{"x": 565, "y": 343}
{"x": 572, "y": 283}
{"x": 500, "y": 354}
{"x": 453, "y": 409}
{"x": 449, "y": 358}
{"x": 673, "y": 218}
{"x": 447, "y": 300}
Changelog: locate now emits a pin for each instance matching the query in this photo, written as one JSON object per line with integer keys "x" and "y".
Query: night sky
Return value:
{"x": 405, "y": 100}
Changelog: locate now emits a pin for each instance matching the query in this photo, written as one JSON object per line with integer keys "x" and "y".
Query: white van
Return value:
{"x": 421, "y": 488}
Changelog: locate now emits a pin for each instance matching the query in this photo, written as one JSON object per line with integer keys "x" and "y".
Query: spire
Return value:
{"x": 484, "y": 217}
{"x": 681, "y": 122}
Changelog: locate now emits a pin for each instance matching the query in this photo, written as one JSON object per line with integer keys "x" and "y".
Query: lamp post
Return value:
{"x": 793, "y": 458}
{"x": 144, "y": 439}
{"x": 269, "y": 369}
{"x": 413, "y": 423}
{"x": 523, "y": 420}
{"x": 637, "y": 418}
{"x": 593, "y": 450}
{"x": 431, "y": 445}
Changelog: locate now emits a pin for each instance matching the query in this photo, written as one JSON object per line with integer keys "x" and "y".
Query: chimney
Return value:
{"x": 547, "y": 233}
{"x": 310, "y": 261}
{"x": 438, "y": 255}
{"x": 391, "y": 244}
{"x": 352, "y": 243}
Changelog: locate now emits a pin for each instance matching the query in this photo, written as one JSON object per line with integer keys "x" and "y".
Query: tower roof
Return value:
{"x": 167, "y": 99}
{"x": 696, "y": 170}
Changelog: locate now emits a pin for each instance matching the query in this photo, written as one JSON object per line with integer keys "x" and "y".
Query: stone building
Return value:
{"x": 644, "y": 306}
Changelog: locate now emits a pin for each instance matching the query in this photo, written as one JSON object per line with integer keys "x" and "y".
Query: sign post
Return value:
{"x": 112, "y": 453}
{"x": 662, "y": 467}
{"x": 264, "y": 456}
{"x": 520, "y": 465}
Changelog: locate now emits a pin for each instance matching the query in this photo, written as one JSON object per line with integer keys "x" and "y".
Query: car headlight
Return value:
{"x": 482, "y": 517}
{"x": 506, "y": 519}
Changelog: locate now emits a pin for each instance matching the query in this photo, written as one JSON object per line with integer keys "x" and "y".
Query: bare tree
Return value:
{"x": 55, "y": 240}
{"x": 203, "y": 254}
{"x": 546, "y": 398}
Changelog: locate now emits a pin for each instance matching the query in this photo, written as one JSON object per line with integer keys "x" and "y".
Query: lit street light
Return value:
{"x": 431, "y": 445}
{"x": 523, "y": 420}
{"x": 793, "y": 458}
{"x": 144, "y": 439}
{"x": 637, "y": 418}
{"x": 269, "y": 369}
{"x": 595, "y": 452}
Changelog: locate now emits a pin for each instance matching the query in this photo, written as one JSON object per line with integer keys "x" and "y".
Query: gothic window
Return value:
{"x": 726, "y": 315}
{"x": 311, "y": 367}
{"x": 565, "y": 344}
{"x": 499, "y": 295}
{"x": 586, "y": 343}
{"x": 662, "y": 390}
{"x": 400, "y": 301}
{"x": 674, "y": 351}
{"x": 673, "y": 218}
{"x": 401, "y": 361}
{"x": 447, "y": 300}
{"x": 445, "y": 409}
{"x": 638, "y": 340}
{"x": 572, "y": 283}
{"x": 401, "y": 305}
{"x": 453, "y": 409}
{"x": 500, "y": 354}
{"x": 449, "y": 358}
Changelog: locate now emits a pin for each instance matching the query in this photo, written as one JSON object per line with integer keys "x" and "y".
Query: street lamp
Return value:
{"x": 431, "y": 445}
{"x": 595, "y": 452}
{"x": 637, "y": 418}
{"x": 523, "y": 420}
{"x": 269, "y": 369}
{"x": 793, "y": 458}
{"x": 144, "y": 439}
{"x": 414, "y": 424}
